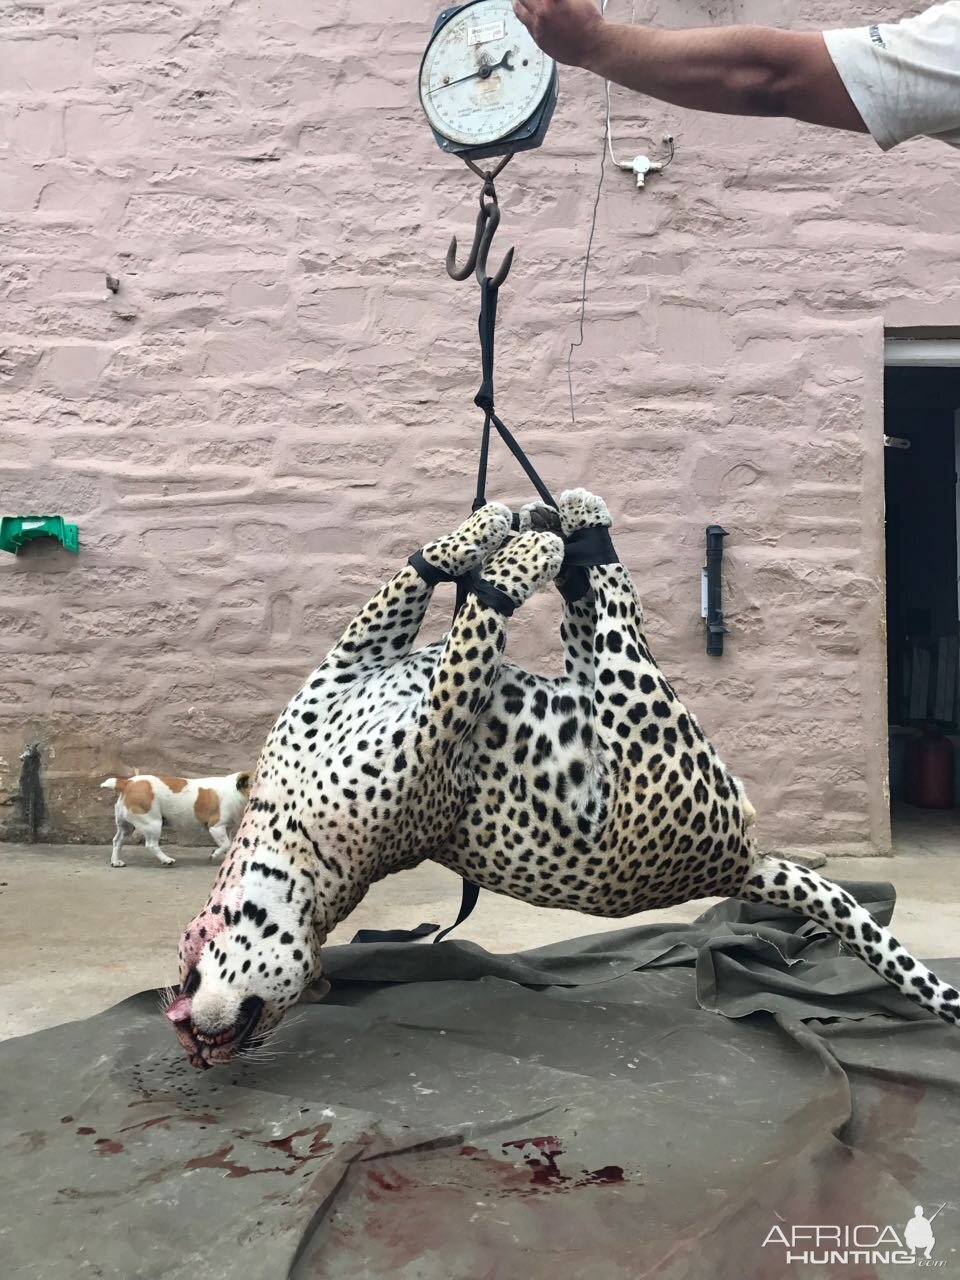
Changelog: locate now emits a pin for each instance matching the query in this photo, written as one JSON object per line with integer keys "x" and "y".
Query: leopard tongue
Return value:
{"x": 179, "y": 1011}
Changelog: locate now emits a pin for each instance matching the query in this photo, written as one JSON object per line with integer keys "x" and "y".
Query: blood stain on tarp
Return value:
{"x": 317, "y": 1143}
{"x": 398, "y": 1208}
{"x": 543, "y": 1166}
{"x": 609, "y": 1173}
{"x": 396, "y": 1181}
{"x": 108, "y": 1146}
{"x": 66, "y": 1119}
{"x": 146, "y": 1124}
{"x": 220, "y": 1159}
{"x": 85, "y": 1130}
{"x": 544, "y": 1169}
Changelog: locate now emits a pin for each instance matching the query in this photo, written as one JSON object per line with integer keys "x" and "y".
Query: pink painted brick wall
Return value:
{"x": 275, "y": 408}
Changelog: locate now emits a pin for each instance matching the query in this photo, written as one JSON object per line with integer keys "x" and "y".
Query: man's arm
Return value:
{"x": 745, "y": 71}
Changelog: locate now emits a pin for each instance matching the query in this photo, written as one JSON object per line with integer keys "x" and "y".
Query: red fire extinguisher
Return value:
{"x": 929, "y": 767}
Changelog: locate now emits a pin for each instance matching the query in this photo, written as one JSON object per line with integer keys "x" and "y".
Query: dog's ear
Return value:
{"x": 243, "y": 782}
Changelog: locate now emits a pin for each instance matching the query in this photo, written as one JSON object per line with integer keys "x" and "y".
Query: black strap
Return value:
{"x": 463, "y": 590}
{"x": 488, "y": 594}
{"x": 484, "y": 399}
{"x": 524, "y": 461}
{"x": 481, "y": 497}
{"x": 395, "y": 935}
{"x": 427, "y": 571}
{"x": 487, "y": 324}
{"x": 508, "y": 439}
{"x": 469, "y": 894}
{"x": 583, "y": 549}
{"x": 467, "y": 584}
{"x": 587, "y": 547}
{"x": 472, "y": 583}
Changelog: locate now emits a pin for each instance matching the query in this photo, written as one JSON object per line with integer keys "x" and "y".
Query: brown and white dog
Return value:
{"x": 189, "y": 805}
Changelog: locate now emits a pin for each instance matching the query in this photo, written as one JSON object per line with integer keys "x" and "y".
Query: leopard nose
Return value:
{"x": 191, "y": 982}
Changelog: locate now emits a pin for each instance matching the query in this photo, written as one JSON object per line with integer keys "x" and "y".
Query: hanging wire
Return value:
{"x": 608, "y": 144}
{"x": 606, "y": 90}
{"x": 606, "y": 150}
{"x": 578, "y": 341}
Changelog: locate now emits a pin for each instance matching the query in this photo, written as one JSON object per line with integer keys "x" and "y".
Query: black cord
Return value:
{"x": 578, "y": 342}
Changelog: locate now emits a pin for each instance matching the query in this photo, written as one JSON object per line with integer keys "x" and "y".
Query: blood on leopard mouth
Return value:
{"x": 206, "y": 1048}
{"x": 202, "y": 1038}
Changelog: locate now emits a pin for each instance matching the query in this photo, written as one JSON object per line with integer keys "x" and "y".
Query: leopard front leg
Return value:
{"x": 378, "y": 638}
{"x": 386, "y": 628}
{"x": 577, "y": 509}
{"x": 459, "y": 691}
{"x": 630, "y": 691}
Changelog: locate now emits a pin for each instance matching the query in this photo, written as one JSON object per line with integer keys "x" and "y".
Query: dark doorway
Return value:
{"x": 922, "y": 425}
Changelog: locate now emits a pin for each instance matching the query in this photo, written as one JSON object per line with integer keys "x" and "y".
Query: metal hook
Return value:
{"x": 488, "y": 219}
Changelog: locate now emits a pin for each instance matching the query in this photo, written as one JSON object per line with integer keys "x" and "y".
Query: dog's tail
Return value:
{"x": 784, "y": 884}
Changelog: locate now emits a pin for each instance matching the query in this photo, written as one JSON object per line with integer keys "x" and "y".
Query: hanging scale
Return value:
{"x": 487, "y": 90}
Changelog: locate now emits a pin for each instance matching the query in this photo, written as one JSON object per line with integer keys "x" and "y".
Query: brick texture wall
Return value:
{"x": 275, "y": 407}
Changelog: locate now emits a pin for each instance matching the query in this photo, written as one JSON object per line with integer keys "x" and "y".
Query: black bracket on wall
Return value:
{"x": 32, "y": 799}
{"x": 712, "y": 602}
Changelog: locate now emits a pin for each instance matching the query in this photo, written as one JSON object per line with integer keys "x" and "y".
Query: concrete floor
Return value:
{"x": 77, "y": 936}
{"x": 932, "y": 831}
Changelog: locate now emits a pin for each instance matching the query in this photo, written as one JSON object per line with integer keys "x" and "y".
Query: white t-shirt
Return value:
{"x": 904, "y": 77}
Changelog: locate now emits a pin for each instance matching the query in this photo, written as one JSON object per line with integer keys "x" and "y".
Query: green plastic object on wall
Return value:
{"x": 16, "y": 530}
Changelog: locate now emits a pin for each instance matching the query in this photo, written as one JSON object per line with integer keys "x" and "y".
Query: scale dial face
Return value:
{"x": 482, "y": 76}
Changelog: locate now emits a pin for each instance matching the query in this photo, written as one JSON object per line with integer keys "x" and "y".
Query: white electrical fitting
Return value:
{"x": 640, "y": 165}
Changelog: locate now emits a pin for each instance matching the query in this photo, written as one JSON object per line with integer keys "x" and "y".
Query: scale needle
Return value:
{"x": 482, "y": 73}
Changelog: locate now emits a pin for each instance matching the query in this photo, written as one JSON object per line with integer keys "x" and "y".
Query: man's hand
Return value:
{"x": 739, "y": 71}
{"x": 567, "y": 30}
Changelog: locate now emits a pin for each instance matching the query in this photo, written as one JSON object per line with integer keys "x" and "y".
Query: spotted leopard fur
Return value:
{"x": 597, "y": 791}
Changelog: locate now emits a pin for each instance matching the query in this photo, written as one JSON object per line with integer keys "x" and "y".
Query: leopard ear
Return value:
{"x": 243, "y": 782}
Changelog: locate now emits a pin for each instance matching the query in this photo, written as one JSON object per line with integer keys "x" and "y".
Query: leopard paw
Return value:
{"x": 539, "y": 517}
{"x": 580, "y": 509}
{"x": 526, "y": 564}
{"x": 477, "y": 538}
